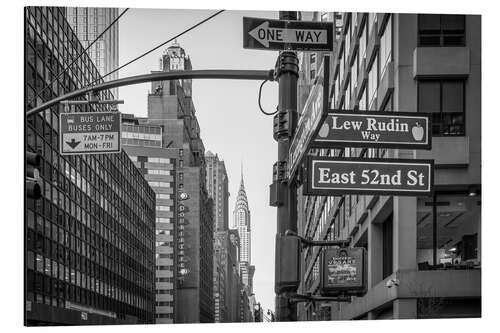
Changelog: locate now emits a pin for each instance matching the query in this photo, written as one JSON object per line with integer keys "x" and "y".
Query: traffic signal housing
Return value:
{"x": 256, "y": 313}
{"x": 287, "y": 273}
{"x": 33, "y": 189}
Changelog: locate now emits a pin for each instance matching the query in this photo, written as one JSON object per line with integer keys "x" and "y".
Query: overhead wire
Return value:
{"x": 159, "y": 45}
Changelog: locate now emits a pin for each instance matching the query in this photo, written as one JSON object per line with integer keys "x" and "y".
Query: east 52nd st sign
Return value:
{"x": 89, "y": 132}
{"x": 406, "y": 130}
{"x": 338, "y": 176}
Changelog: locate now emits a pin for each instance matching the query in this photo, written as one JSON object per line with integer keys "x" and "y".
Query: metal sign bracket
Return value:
{"x": 306, "y": 242}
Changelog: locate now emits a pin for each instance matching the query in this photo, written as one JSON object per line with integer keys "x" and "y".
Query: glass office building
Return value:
{"x": 90, "y": 239}
{"x": 88, "y": 23}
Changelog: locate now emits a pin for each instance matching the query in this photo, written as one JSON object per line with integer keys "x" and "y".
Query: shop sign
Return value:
{"x": 343, "y": 271}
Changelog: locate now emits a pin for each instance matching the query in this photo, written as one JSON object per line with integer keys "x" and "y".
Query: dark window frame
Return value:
{"x": 464, "y": 104}
{"x": 442, "y": 35}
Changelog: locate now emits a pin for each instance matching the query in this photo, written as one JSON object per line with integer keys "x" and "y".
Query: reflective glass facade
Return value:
{"x": 90, "y": 239}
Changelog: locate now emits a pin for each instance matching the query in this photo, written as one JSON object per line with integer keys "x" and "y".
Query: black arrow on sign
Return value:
{"x": 73, "y": 143}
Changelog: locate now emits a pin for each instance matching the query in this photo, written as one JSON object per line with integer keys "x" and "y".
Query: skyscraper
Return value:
{"x": 88, "y": 23}
{"x": 217, "y": 186}
{"x": 170, "y": 106}
{"x": 241, "y": 222}
{"x": 144, "y": 145}
{"x": 90, "y": 238}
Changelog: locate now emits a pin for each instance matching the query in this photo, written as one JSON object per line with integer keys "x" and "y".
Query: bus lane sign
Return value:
{"x": 89, "y": 133}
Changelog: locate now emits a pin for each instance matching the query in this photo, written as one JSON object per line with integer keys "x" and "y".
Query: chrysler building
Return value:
{"x": 241, "y": 222}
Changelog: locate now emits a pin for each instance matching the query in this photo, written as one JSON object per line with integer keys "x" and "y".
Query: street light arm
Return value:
{"x": 160, "y": 76}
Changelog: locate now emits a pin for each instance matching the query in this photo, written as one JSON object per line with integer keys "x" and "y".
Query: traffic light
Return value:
{"x": 256, "y": 313}
{"x": 33, "y": 189}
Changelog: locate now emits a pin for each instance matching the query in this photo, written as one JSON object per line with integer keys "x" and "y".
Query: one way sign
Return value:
{"x": 274, "y": 35}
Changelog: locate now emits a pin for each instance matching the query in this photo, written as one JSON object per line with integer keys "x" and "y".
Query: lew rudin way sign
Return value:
{"x": 406, "y": 130}
{"x": 273, "y": 35}
{"x": 314, "y": 111}
{"x": 89, "y": 132}
{"x": 339, "y": 176}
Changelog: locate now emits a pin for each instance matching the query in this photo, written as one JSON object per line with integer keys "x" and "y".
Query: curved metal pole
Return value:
{"x": 160, "y": 76}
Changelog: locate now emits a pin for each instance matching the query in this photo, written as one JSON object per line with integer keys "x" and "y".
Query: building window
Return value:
{"x": 372, "y": 18}
{"x": 348, "y": 96}
{"x": 445, "y": 99}
{"x": 337, "y": 88}
{"x": 341, "y": 65}
{"x": 441, "y": 30}
{"x": 387, "y": 247}
{"x": 372, "y": 82}
{"x": 362, "y": 43}
{"x": 456, "y": 219}
{"x": 354, "y": 72}
{"x": 348, "y": 41}
{"x": 313, "y": 58}
{"x": 386, "y": 46}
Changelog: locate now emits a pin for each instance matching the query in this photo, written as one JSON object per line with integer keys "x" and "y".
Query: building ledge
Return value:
{"x": 441, "y": 61}
{"x": 447, "y": 151}
{"x": 414, "y": 284}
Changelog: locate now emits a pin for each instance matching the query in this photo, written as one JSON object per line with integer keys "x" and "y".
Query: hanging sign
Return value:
{"x": 343, "y": 271}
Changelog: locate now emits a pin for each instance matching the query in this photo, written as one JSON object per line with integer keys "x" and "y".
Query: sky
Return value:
{"x": 230, "y": 120}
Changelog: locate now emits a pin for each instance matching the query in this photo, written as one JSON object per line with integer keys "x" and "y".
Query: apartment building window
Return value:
{"x": 441, "y": 30}
{"x": 372, "y": 82}
{"x": 386, "y": 46}
{"x": 445, "y": 99}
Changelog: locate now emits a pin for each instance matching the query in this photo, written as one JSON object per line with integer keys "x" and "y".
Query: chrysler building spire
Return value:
{"x": 241, "y": 222}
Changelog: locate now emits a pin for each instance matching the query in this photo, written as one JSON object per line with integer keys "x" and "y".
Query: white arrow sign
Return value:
{"x": 264, "y": 34}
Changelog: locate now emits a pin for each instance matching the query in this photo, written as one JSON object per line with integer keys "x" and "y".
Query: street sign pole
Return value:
{"x": 287, "y": 74}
